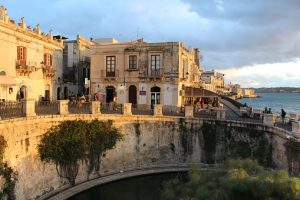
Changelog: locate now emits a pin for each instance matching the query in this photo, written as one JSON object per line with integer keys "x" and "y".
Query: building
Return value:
{"x": 248, "y": 93}
{"x": 237, "y": 91}
{"x": 31, "y": 61}
{"x": 213, "y": 81}
{"x": 144, "y": 74}
{"x": 76, "y": 66}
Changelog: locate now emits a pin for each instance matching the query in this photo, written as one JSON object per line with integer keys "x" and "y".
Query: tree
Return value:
{"x": 73, "y": 141}
{"x": 237, "y": 179}
{"x": 65, "y": 146}
{"x": 102, "y": 136}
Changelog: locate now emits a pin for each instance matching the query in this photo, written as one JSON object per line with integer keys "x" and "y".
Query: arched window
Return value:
{"x": 2, "y": 73}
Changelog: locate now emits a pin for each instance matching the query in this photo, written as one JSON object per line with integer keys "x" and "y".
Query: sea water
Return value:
{"x": 290, "y": 102}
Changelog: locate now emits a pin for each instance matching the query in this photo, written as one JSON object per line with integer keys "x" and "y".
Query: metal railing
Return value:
{"x": 179, "y": 112}
{"x": 141, "y": 110}
{"x": 46, "y": 107}
{"x": 77, "y": 107}
{"x": 111, "y": 108}
{"x": 11, "y": 110}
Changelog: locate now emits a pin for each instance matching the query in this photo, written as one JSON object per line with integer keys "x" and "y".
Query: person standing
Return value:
{"x": 283, "y": 114}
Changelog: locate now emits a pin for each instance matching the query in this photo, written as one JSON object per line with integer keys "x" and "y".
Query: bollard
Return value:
{"x": 63, "y": 107}
{"x": 126, "y": 110}
{"x": 28, "y": 107}
{"x": 95, "y": 107}
{"x": 189, "y": 111}
{"x": 158, "y": 110}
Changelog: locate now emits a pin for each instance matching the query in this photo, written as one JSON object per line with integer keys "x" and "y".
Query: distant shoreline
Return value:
{"x": 277, "y": 90}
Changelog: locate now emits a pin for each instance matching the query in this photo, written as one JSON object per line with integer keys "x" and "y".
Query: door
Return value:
{"x": 23, "y": 92}
{"x": 58, "y": 93}
{"x": 155, "y": 96}
{"x": 133, "y": 95}
{"x": 110, "y": 93}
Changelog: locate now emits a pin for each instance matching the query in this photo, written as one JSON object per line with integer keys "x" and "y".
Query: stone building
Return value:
{"x": 76, "y": 66}
{"x": 213, "y": 81}
{"x": 144, "y": 73}
{"x": 31, "y": 61}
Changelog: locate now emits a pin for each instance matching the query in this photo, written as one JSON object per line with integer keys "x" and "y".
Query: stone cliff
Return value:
{"x": 148, "y": 141}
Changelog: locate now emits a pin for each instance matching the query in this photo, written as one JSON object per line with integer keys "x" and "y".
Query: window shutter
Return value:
{"x": 25, "y": 53}
{"x": 50, "y": 60}
{"x": 18, "y": 53}
{"x": 45, "y": 59}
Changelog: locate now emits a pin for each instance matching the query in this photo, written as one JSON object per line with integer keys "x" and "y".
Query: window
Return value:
{"x": 21, "y": 53}
{"x": 133, "y": 62}
{"x": 48, "y": 59}
{"x": 155, "y": 65}
{"x": 110, "y": 66}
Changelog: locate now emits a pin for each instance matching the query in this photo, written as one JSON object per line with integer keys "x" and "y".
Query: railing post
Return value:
{"x": 63, "y": 107}
{"x": 269, "y": 119}
{"x": 296, "y": 127}
{"x": 28, "y": 107}
{"x": 189, "y": 111}
{"x": 95, "y": 107}
{"x": 158, "y": 111}
{"x": 221, "y": 114}
{"x": 126, "y": 109}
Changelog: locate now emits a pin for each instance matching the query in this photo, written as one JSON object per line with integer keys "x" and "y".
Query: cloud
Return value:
{"x": 230, "y": 34}
{"x": 258, "y": 31}
{"x": 265, "y": 75}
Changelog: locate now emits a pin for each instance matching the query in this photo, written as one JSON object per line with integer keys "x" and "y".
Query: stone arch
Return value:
{"x": 132, "y": 95}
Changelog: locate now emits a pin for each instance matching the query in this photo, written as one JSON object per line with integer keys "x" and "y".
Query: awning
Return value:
{"x": 199, "y": 92}
{"x": 7, "y": 81}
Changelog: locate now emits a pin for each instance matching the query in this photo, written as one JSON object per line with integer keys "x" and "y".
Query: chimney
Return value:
{"x": 197, "y": 56}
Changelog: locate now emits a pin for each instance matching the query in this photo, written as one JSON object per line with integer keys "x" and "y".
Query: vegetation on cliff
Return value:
{"x": 73, "y": 141}
{"x": 235, "y": 180}
{"x": 7, "y": 175}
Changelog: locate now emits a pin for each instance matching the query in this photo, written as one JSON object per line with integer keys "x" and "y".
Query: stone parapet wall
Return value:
{"x": 147, "y": 141}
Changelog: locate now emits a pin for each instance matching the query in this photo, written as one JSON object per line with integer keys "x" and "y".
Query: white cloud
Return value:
{"x": 265, "y": 75}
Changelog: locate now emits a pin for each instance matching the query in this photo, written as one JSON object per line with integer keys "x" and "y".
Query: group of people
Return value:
{"x": 269, "y": 111}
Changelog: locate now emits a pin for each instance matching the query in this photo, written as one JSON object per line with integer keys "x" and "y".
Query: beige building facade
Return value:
{"x": 31, "y": 61}
{"x": 213, "y": 81}
{"x": 144, "y": 74}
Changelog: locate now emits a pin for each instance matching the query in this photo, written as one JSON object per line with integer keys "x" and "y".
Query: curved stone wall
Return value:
{"x": 148, "y": 141}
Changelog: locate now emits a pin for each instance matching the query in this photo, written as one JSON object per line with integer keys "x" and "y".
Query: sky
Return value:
{"x": 254, "y": 42}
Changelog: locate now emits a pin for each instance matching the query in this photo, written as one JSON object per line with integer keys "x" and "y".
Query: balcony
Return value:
{"x": 48, "y": 72}
{"x": 110, "y": 75}
{"x": 24, "y": 68}
{"x": 155, "y": 73}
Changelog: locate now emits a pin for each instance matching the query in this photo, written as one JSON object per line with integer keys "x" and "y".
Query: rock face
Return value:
{"x": 147, "y": 141}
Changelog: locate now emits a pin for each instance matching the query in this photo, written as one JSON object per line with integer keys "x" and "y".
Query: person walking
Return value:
{"x": 283, "y": 114}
